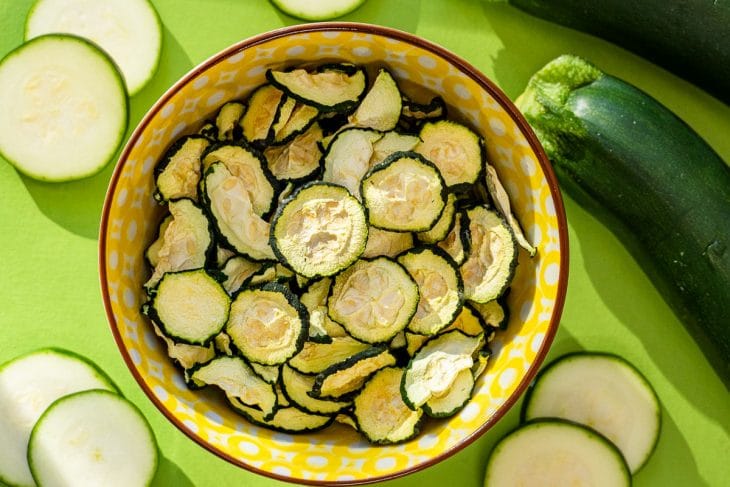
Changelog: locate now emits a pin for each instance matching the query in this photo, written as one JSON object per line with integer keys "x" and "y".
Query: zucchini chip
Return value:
{"x": 491, "y": 264}
{"x": 263, "y": 108}
{"x": 283, "y": 112}
{"x": 237, "y": 270}
{"x": 317, "y": 357}
{"x": 469, "y": 321}
{"x": 373, "y": 299}
{"x": 455, "y": 150}
{"x": 454, "y": 399}
{"x": 434, "y": 368}
{"x": 440, "y": 288}
{"x": 208, "y": 130}
{"x": 301, "y": 118}
{"x": 232, "y": 213}
{"x": 190, "y": 306}
{"x": 286, "y": 419}
{"x": 404, "y": 193}
{"x": 226, "y": 121}
{"x": 237, "y": 379}
{"x": 185, "y": 355}
{"x": 319, "y": 230}
{"x": 178, "y": 173}
{"x": 297, "y": 160}
{"x": 222, "y": 343}
{"x": 347, "y": 158}
{"x": 481, "y": 362}
{"x": 267, "y": 324}
{"x": 297, "y": 388}
{"x": 270, "y": 373}
{"x": 332, "y": 87}
{"x": 348, "y": 376}
{"x": 392, "y": 142}
{"x": 152, "y": 253}
{"x": 414, "y": 341}
{"x": 501, "y": 201}
{"x": 457, "y": 242}
{"x": 321, "y": 327}
{"x": 494, "y": 313}
{"x": 414, "y": 114}
{"x": 381, "y": 106}
{"x": 380, "y": 412}
{"x": 386, "y": 243}
{"x": 443, "y": 225}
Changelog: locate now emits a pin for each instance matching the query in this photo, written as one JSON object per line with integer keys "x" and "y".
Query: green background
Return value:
{"x": 48, "y": 239}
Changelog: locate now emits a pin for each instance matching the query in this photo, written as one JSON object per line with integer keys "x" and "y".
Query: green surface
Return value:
{"x": 48, "y": 243}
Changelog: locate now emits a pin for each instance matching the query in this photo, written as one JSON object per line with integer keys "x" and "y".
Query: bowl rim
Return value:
{"x": 468, "y": 69}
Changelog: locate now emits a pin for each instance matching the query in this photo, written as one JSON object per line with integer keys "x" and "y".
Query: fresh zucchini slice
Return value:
{"x": 332, "y": 87}
{"x": 287, "y": 419}
{"x": 404, "y": 193}
{"x": 320, "y": 230}
{"x": 178, "y": 173}
{"x": 237, "y": 271}
{"x": 260, "y": 116}
{"x": 184, "y": 354}
{"x": 604, "y": 392}
{"x": 454, "y": 399}
{"x": 380, "y": 412}
{"x": 488, "y": 270}
{"x": 233, "y": 215}
{"x": 297, "y": 388}
{"x": 443, "y": 225}
{"x": 317, "y": 357}
{"x": 455, "y": 150}
{"x": 237, "y": 379}
{"x": 563, "y": 452}
{"x": 93, "y": 437}
{"x": 190, "y": 306}
{"x": 249, "y": 166}
{"x": 268, "y": 324}
{"x": 469, "y": 321}
{"x": 301, "y": 118}
{"x": 347, "y": 158}
{"x": 343, "y": 378}
{"x": 391, "y": 142}
{"x": 299, "y": 159}
{"x": 187, "y": 242}
{"x": 386, "y": 243}
{"x": 440, "y": 288}
{"x": 435, "y": 366}
{"x": 494, "y": 313}
{"x": 501, "y": 201}
{"x": 317, "y": 9}
{"x": 373, "y": 299}
{"x": 381, "y": 107}
{"x": 458, "y": 241}
{"x": 152, "y": 253}
{"x": 227, "y": 121}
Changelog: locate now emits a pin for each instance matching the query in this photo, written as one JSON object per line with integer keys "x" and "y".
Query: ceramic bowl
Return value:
{"x": 336, "y": 455}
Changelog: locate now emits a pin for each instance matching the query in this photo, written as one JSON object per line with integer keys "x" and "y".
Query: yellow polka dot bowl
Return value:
{"x": 336, "y": 455}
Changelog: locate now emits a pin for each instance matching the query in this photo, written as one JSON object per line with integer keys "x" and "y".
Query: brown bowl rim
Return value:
{"x": 464, "y": 67}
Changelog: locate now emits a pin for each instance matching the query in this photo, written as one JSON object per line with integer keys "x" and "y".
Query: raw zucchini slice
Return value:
{"x": 332, "y": 87}
{"x": 129, "y": 30}
{"x": 343, "y": 378}
{"x": 373, "y": 299}
{"x": 458, "y": 241}
{"x": 297, "y": 387}
{"x": 501, "y": 200}
{"x": 404, "y": 193}
{"x": 237, "y": 379}
{"x": 187, "y": 242}
{"x": 494, "y": 313}
{"x": 347, "y": 158}
{"x": 287, "y": 419}
{"x": 263, "y": 107}
{"x": 455, "y": 150}
{"x": 64, "y": 108}
{"x": 317, "y": 357}
{"x": 443, "y": 225}
{"x": 152, "y": 253}
{"x": 249, "y": 166}
{"x": 440, "y": 288}
{"x": 28, "y": 385}
{"x": 232, "y": 213}
{"x": 92, "y": 438}
{"x": 190, "y": 306}
{"x": 602, "y": 391}
{"x": 555, "y": 452}
{"x": 435, "y": 366}
{"x": 391, "y": 142}
{"x": 380, "y": 412}
{"x": 319, "y": 230}
{"x": 381, "y": 106}
{"x": 227, "y": 121}
{"x": 268, "y": 324}
{"x": 317, "y": 9}
{"x": 178, "y": 173}
{"x": 237, "y": 271}
{"x": 492, "y": 260}
{"x": 302, "y": 116}
{"x": 386, "y": 243}
{"x": 453, "y": 399}
{"x": 299, "y": 159}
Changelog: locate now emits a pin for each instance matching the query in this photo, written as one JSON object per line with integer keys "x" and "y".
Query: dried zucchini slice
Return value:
{"x": 333, "y": 87}
{"x": 267, "y": 324}
{"x": 297, "y": 387}
{"x": 237, "y": 270}
{"x": 248, "y": 166}
{"x": 404, "y": 193}
{"x": 301, "y": 118}
{"x": 391, "y": 142}
{"x": 386, "y": 243}
{"x": 178, "y": 173}
{"x": 208, "y": 130}
{"x": 287, "y": 419}
{"x": 227, "y": 121}
{"x": 455, "y": 150}
{"x": 435, "y": 366}
{"x": 469, "y": 321}
{"x": 443, "y": 225}
{"x": 299, "y": 159}
{"x": 343, "y": 378}
{"x": 481, "y": 362}
{"x": 187, "y": 242}
{"x": 152, "y": 253}
{"x": 270, "y": 373}
{"x": 237, "y": 379}
{"x": 494, "y": 313}
{"x": 380, "y": 412}
{"x": 316, "y": 357}
{"x": 347, "y": 158}
{"x": 320, "y": 230}
{"x": 491, "y": 264}
{"x": 232, "y": 213}
{"x": 284, "y": 111}
{"x": 185, "y": 355}
{"x": 454, "y": 399}
{"x": 321, "y": 328}
{"x": 222, "y": 343}
{"x": 381, "y": 107}
{"x": 501, "y": 201}
{"x": 439, "y": 285}
{"x": 190, "y": 306}
{"x": 261, "y": 113}
{"x": 373, "y": 299}
{"x": 458, "y": 241}
{"x": 414, "y": 114}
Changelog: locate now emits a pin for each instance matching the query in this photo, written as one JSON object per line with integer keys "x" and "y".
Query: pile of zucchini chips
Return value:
{"x": 332, "y": 251}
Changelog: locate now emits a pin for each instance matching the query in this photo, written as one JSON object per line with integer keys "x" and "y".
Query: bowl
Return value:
{"x": 336, "y": 455}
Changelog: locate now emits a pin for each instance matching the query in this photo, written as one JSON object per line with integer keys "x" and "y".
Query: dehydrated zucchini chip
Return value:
{"x": 316, "y": 357}
{"x": 347, "y": 158}
{"x": 390, "y": 143}
{"x": 386, "y": 243}
{"x": 178, "y": 173}
{"x": 454, "y": 399}
{"x": 381, "y": 107}
{"x": 332, "y": 87}
{"x": 457, "y": 242}
{"x": 261, "y": 113}
{"x": 287, "y": 419}
{"x": 237, "y": 270}
{"x": 297, "y": 388}
{"x": 343, "y": 378}
{"x": 454, "y": 149}
{"x": 297, "y": 160}
{"x": 226, "y": 122}
{"x": 443, "y": 225}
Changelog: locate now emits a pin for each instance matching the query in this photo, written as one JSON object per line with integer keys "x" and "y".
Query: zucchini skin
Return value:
{"x": 649, "y": 178}
{"x": 687, "y": 37}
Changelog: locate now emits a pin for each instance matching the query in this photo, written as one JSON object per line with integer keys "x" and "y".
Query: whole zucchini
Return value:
{"x": 651, "y": 179}
{"x": 690, "y": 38}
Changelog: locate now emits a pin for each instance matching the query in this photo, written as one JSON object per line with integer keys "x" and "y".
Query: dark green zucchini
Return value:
{"x": 688, "y": 37}
{"x": 651, "y": 179}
